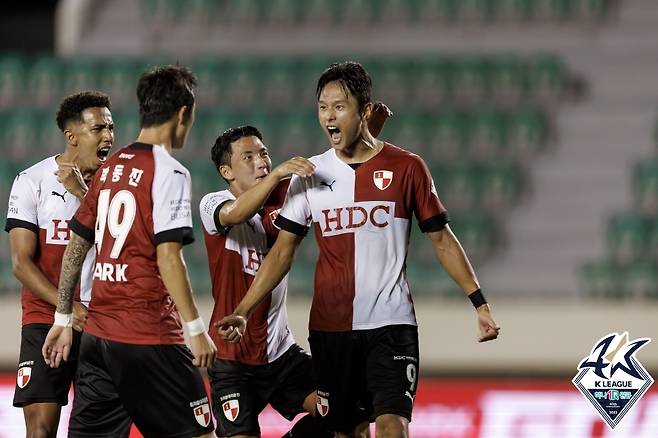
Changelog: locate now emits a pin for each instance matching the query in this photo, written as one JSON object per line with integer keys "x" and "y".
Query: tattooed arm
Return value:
{"x": 74, "y": 257}
{"x": 58, "y": 342}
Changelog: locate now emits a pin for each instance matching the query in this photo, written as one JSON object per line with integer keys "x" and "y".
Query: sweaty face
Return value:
{"x": 94, "y": 137}
{"x": 338, "y": 113}
{"x": 250, "y": 162}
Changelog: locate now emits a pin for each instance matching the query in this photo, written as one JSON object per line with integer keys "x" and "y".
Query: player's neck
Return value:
{"x": 70, "y": 155}
{"x": 161, "y": 135}
{"x": 361, "y": 150}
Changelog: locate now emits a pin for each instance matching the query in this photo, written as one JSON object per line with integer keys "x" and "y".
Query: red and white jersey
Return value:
{"x": 139, "y": 198}
{"x": 234, "y": 255}
{"x": 41, "y": 204}
{"x": 362, "y": 223}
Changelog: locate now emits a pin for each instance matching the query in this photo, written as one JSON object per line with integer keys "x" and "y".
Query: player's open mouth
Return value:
{"x": 334, "y": 134}
{"x": 102, "y": 153}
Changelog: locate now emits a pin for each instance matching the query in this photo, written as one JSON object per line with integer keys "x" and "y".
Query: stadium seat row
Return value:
{"x": 277, "y": 82}
{"x": 608, "y": 279}
{"x": 278, "y": 13}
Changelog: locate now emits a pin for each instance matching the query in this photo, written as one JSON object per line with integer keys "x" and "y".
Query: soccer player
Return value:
{"x": 133, "y": 364}
{"x": 43, "y": 199}
{"x": 238, "y": 231}
{"x": 359, "y": 201}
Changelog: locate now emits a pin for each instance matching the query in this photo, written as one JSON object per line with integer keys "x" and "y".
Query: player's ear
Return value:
{"x": 367, "y": 110}
{"x": 70, "y": 137}
{"x": 184, "y": 114}
{"x": 226, "y": 172}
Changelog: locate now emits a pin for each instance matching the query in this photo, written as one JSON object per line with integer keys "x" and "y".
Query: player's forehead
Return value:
{"x": 96, "y": 116}
{"x": 335, "y": 92}
{"x": 247, "y": 145}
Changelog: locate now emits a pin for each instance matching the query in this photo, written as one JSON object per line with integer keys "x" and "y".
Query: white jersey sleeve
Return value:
{"x": 296, "y": 207}
{"x": 207, "y": 208}
{"x": 23, "y": 202}
{"x": 172, "y": 196}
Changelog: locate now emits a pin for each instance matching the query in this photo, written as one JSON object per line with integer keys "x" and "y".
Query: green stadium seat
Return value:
{"x": 12, "y": 72}
{"x": 44, "y": 81}
{"x": 457, "y": 185}
{"x": 408, "y": 132}
{"x": 527, "y": 133}
{"x": 469, "y": 80}
{"x": 118, "y": 78}
{"x": 279, "y": 83}
{"x": 296, "y": 133}
{"x": 395, "y": 12}
{"x": 20, "y": 133}
{"x": 627, "y": 235}
{"x": 485, "y": 134}
{"x": 446, "y": 135}
{"x": 546, "y": 77}
{"x": 51, "y": 139}
{"x": 126, "y": 128}
{"x": 430, "y": 78}
{"x": 241, "y": 80}
{"x": 602, "y": 279}
{"x": 79, "y": 74}
{"x": 500, "y": 185}
{"x": 645, "y": 186}
{"x": 507, "y": 80}
{"x": 641, "y": 280}
{"x": 284, "y": 13}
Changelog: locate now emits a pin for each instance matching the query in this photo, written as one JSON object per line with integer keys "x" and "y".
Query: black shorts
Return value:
{"x": 240, "y": 392}
{"x": 36, "y": 382}
{"x": 363, "y": 374}
{"x": 155, "y": 386}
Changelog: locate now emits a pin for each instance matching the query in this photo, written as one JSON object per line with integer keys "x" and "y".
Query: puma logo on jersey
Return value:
{"x": 330, "y": 185}
{"x": 179, "y": 172}
{"x": 110, "y": 272}
{"x": 54, "y": 193}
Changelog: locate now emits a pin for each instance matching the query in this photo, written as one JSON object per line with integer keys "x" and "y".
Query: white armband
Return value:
{"x": 63, "y": 319}
{"x": 195, "y": 327}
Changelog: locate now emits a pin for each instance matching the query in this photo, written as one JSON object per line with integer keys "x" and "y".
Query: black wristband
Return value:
{"x": 477, "y": 298}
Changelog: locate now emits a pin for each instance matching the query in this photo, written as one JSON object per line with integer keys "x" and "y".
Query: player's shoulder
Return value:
{"x": 323, "y": 158}
{"x": 37, "y": 172}
{"x": 220, "y": 194}
{"x": 402, "y": 156}
{"x": 165, "y": 160}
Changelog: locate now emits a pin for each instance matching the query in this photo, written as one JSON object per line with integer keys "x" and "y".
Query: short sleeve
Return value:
{"x": 427, "y": 207}
{"x": 23, "y": 202}
{"x": 295, "y": 215}
{"x": 208, "y": 210}
{"x": 172, "y": 203}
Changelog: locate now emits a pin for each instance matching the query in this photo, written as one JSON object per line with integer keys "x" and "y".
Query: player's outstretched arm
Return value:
{"x": 378, "y": 115}
{"x": 276, "y": 265}
{"x": 174, "y": 276}
{"x": 452, "y": 257}
{"x": 247, "y": 205}
{"x": 58, "y": 341}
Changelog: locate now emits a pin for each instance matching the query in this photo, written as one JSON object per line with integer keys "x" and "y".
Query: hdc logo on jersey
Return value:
{"x": 231, "y": 409}
{"x": 612, "y": 378}
{"x": 382, "y": 178}
{"x": 23, "y": 376}
{"x": 202, "y": 414}
{"x": 370, "y": 214}
{"x": 58, "y": 232}
{"x": 322, "y": 403}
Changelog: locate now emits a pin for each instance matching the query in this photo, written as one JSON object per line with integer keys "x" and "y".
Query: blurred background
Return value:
{"x": 537, "y": 118}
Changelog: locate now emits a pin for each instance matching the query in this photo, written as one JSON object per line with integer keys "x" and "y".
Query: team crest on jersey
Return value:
{"x": 382, "y": 178}
{"x": 612, "y": 378}
{"x": 23, "y": 376}
{"x": 231, "y": 409}
{"x": 323, "y": 403}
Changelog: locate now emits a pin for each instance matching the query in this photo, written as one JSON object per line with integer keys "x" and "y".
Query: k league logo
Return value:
{"x": 612, "y": 378}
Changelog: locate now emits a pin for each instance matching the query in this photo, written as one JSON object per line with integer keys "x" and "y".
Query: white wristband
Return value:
{"x": 195, "y": 327}
{"x": 63, "y": 319}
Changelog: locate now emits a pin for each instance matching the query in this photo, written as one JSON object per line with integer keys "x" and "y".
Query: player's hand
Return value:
{"x": 295, "y": 166}
{"x": 79, "y": 316}
{"x": 232, "y": 327}
{"x": 203, "y": 349}
{"x": 487, "y": 326}
{"x": 69, "y": 175}
{"x": 57, "y": 345}
{"x": 378, "y": 115}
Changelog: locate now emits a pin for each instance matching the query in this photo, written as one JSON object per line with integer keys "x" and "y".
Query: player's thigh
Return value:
{"x": 340, "y": 376}
{"x": 392, "y": 367}
{"x": 295, "y": 383}
{"x": 160, "y": 381}
{"x": 97, "y": 407}
{"x": 36, "y": 382}
{"x": 236, "y": 403}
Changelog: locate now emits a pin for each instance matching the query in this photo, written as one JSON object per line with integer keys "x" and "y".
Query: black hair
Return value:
{"x": 161, "y": 92}
{"x": 352, "y": 76}
{"x": 221, "y": 151}
{"x": 71, "y": 108}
